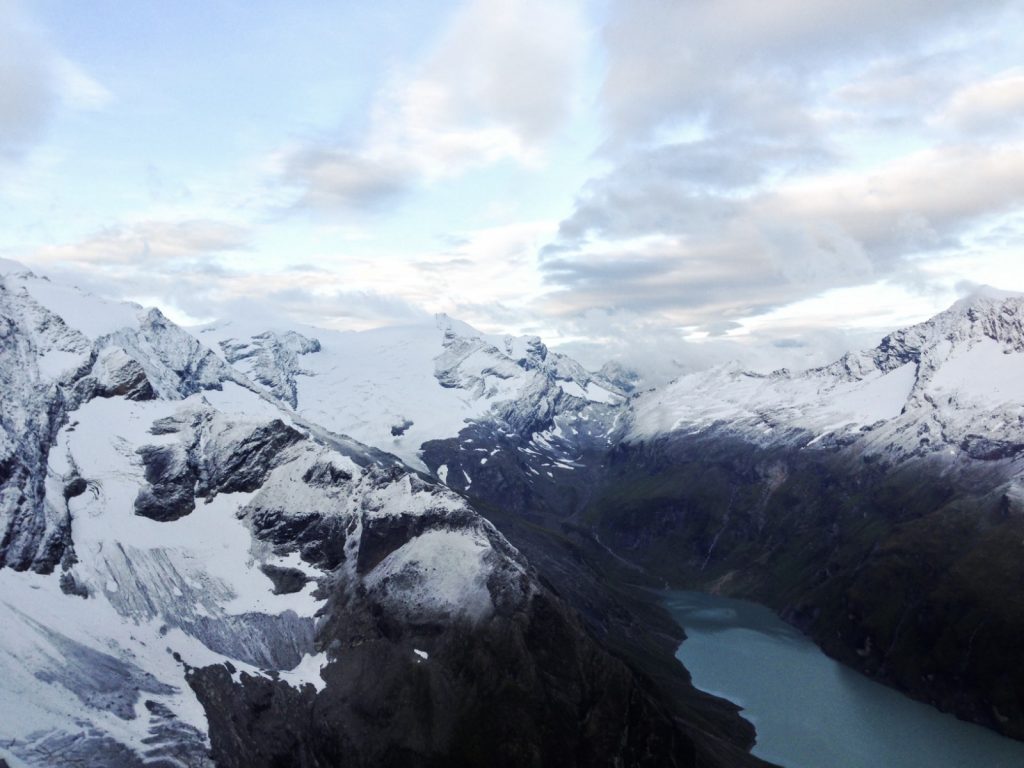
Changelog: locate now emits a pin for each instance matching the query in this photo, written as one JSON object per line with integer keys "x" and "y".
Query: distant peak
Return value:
{"x": 986, "y": 294}
{"x": 449, "y": 324}
{"x": 9, "y": 266}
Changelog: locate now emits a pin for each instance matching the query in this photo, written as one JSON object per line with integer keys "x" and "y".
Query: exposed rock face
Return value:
{"x": 114, "y": 374}
{"x": 35, "y": 532}
{"x": 172, "y": 479}
{"x": 286, "y": 580}
{"x": 212, "y": 457}
{"x": 873, "y": 502}
{"x": 175, "y": 362}
{"x": 419, "y": 572}
{"x": 397, "y": 388}
{"x": 242, "y": 584}
{"x": 48, "y": 369}
{"x": 527, "y": 384}
{"x": 272, "y": 360}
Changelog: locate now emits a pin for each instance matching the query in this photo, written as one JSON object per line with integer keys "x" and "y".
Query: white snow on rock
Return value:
{"x": 307, "y": 672}
{"x": 423, "y": 381}
{"x": 53, "y": 646}
{"x": 198, "y": 586}
{"x": 82, "y": 648}
{"x": 89, "y": 315}
{"x": 924, "y": 388}
{"x": 448, "y": 571}
{"x": 593, "y": 392}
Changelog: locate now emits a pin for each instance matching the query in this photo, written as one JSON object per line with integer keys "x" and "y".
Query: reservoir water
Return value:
{"x": 812, "y": 712}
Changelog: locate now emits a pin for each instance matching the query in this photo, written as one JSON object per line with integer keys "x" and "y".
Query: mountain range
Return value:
{"x": 240, "y": 545}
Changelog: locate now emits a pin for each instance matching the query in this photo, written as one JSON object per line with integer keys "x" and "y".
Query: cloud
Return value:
{"x": 35, "y": 80}
{"x": 27, "y": 84}
{"x": 335, "y": 178}
{"x": 511, "y": 63}
{"x": 205, "y": 289}
{"x": 904, "y": 84}
{"x": 760, "y": 154}
{"x": 497, "y": 86}
{"x": 660, "y": 353}
{"x": 147, "y": 242}
{"x": 730, "y": 159}
{"x": 205, "y": 269}
{"x": 990, "y": 106}
{"x": 702, "y": 59}
{"x": 648, "y": 242}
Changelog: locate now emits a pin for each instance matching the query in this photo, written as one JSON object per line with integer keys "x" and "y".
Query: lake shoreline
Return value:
{"x": 810, "y": 711}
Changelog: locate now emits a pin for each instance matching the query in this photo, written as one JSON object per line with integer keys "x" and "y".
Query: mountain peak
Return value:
{"x": 985, "y": 313}
{"x": 988, "y": 293}
{"x": 9, "y": 266}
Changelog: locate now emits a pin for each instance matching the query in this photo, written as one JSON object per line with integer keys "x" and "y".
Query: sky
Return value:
{"x": 671, "y": 183}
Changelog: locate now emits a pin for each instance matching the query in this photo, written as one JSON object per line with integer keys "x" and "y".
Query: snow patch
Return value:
{"x": 440, "y": 572}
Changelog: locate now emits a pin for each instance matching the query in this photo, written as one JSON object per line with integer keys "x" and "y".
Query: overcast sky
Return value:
{"x": 668, "y": 180}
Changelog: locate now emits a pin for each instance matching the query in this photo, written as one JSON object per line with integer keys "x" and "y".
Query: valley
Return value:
{"x": 353, "y": 537}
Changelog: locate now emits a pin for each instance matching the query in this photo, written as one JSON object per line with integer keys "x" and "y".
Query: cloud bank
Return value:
{"x": 670, "y": 183}
{"x": 765, "y": 153}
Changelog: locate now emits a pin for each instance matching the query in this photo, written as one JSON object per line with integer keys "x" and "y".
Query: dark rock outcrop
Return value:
{"x": 286, "y": 580}
{"x": 231, "y": 460}
{"x": 525, "y": 688}
{"x": 241, "y": 463}
{"x": 172, "y": 480}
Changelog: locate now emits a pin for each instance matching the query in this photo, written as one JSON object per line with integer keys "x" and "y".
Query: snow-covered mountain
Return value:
{"x": 193, "y": 571}
{"x": 877, "y": 503}
{"x": 953, "y": 384}
{"x": 217, "y": 537}
{"x": 948, "y": 384}
{"x": 397, "y": 388}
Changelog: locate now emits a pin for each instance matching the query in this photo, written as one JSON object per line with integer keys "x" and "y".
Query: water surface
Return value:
{"x": 812, "y": 712}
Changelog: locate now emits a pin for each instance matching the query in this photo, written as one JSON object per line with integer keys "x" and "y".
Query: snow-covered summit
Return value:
{"x": 9, "y": 266}
{"x": 939, "y": 384}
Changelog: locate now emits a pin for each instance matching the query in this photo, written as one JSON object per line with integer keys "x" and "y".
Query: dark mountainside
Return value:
{"x": 904, "y": 564}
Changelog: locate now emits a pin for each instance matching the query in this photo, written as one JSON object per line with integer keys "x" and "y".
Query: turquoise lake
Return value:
{"x": 812, "y": 712}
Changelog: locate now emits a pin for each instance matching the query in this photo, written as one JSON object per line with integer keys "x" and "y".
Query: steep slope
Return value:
{"x": 513, "y": 427}
{"x": 195, "y": 574}
{"x": 58, "y": 349}
{"x": 876, "y": 503}
{"x": 809, "y": 491}
{"x": 199, "y": 563}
